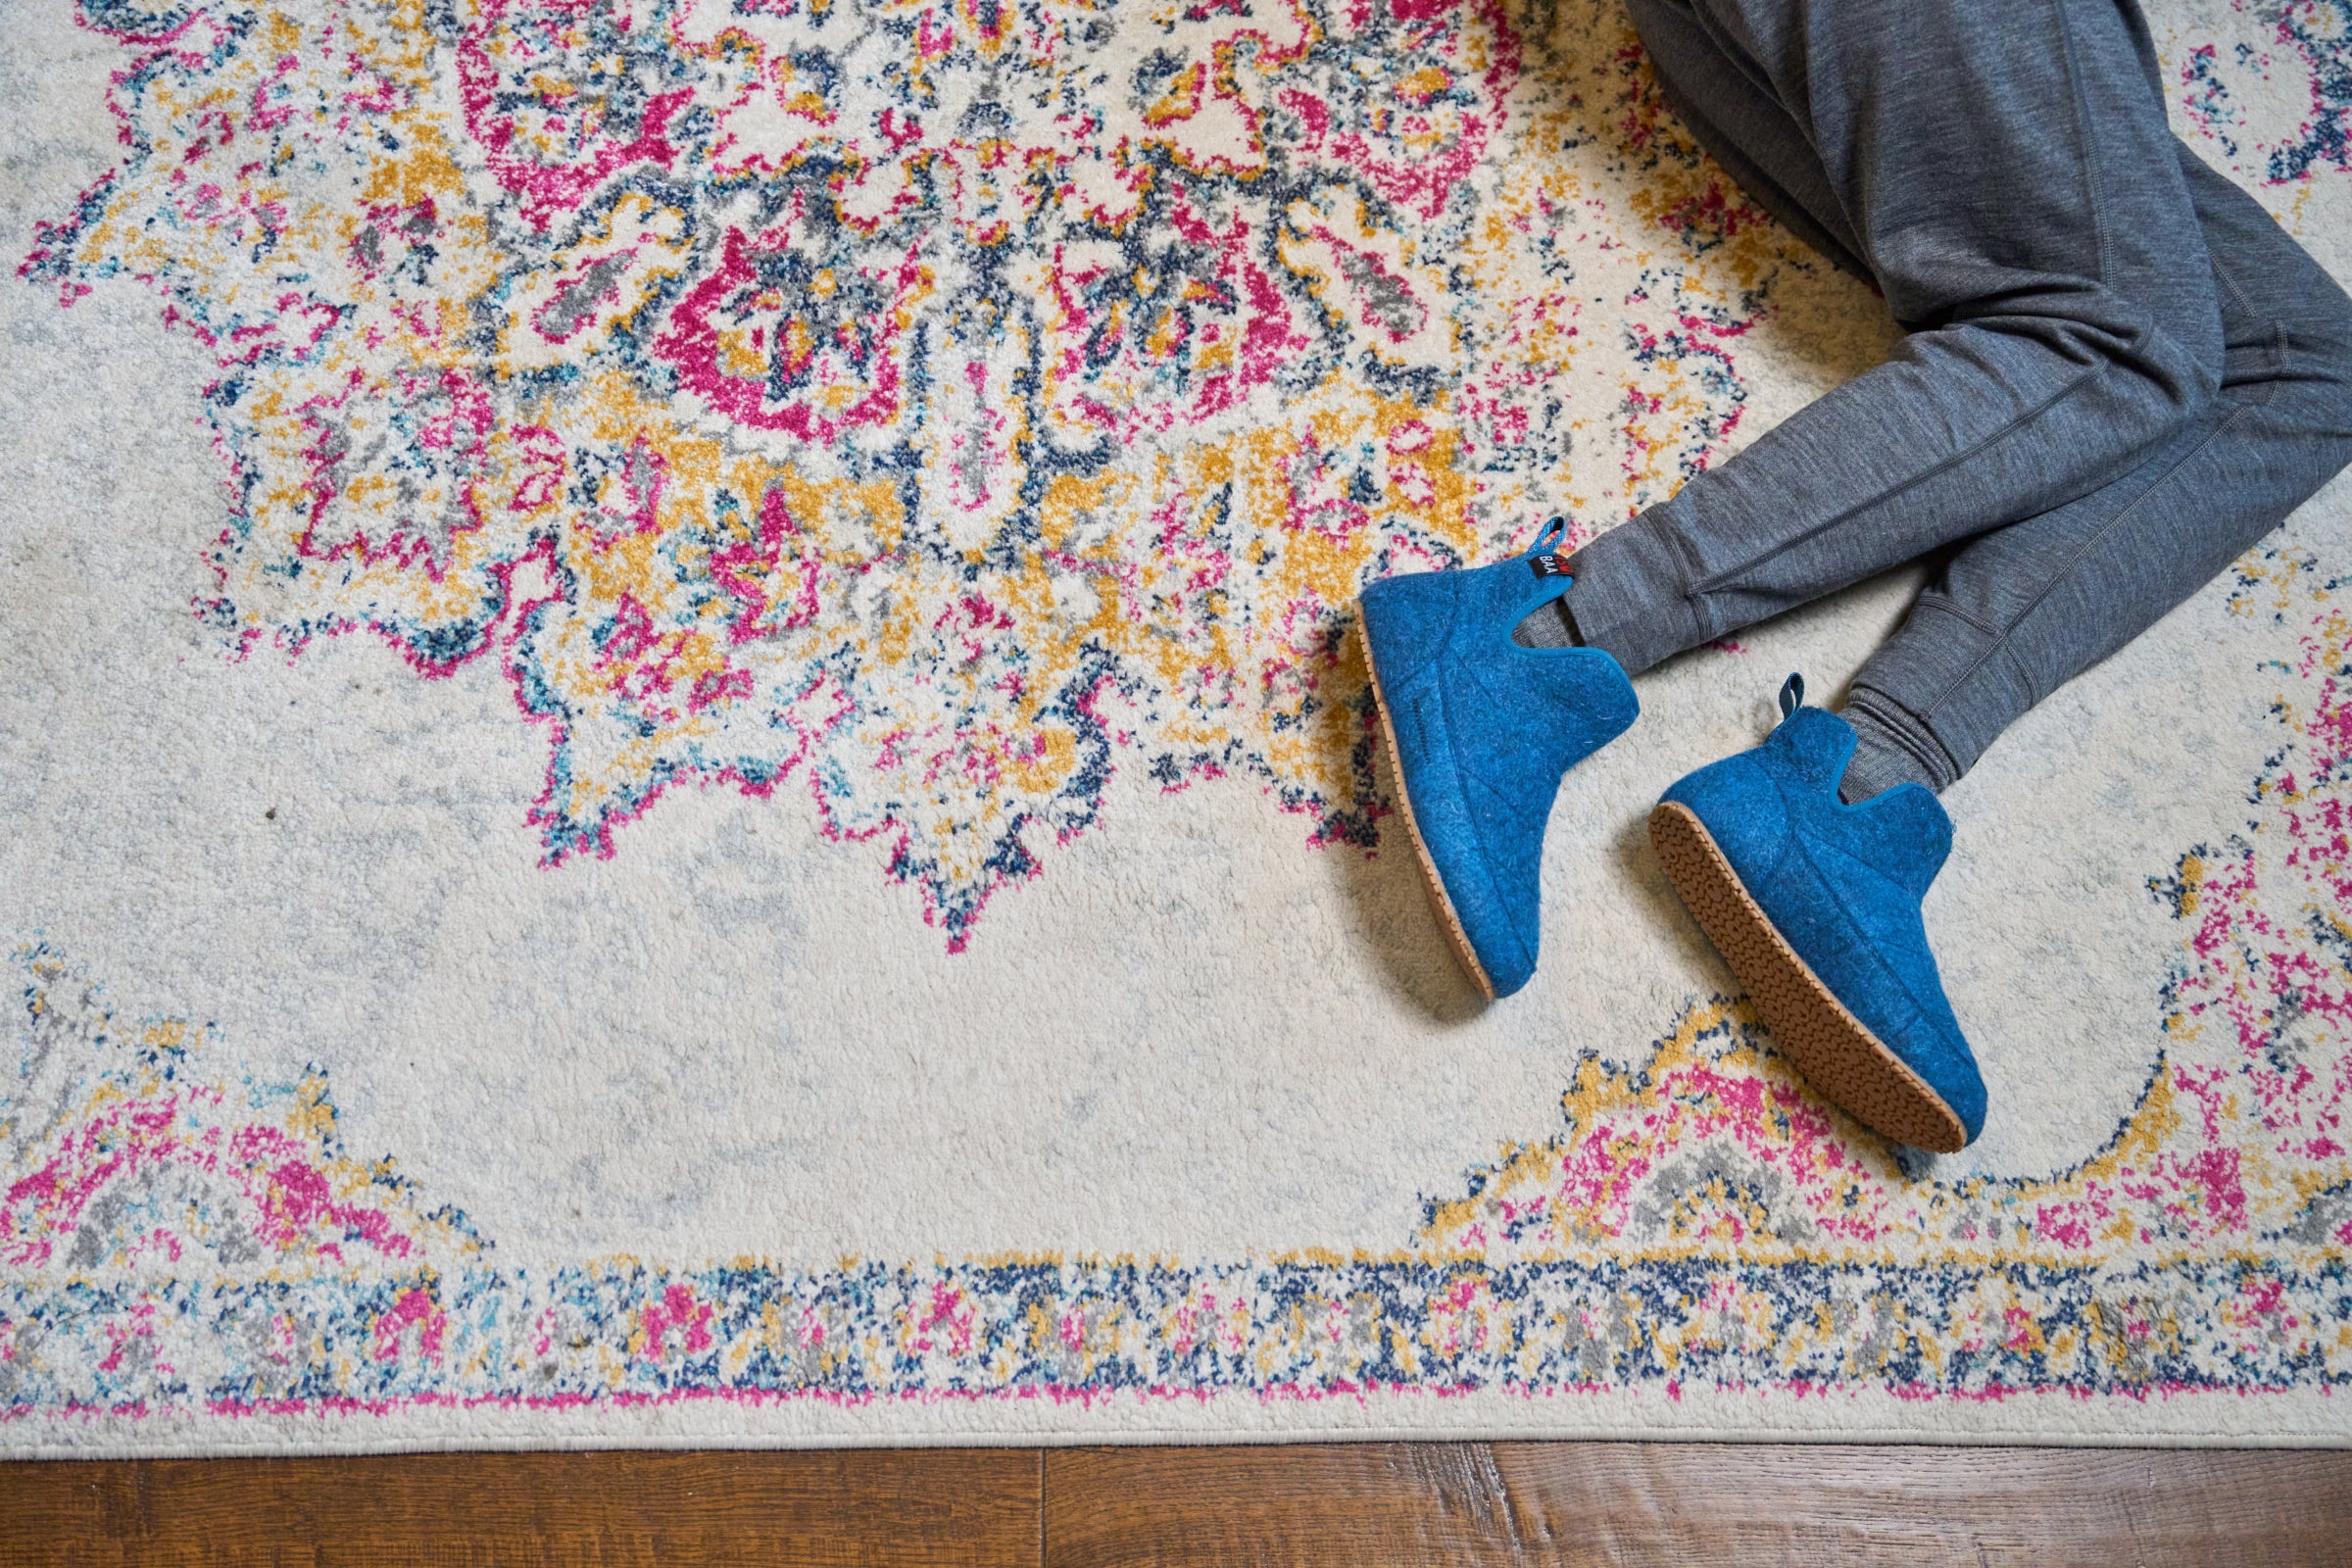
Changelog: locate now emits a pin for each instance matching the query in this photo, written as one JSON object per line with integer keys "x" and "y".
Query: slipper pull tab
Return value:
{"x": 1793, "y": 694}
{"x": 1542, "y": 556}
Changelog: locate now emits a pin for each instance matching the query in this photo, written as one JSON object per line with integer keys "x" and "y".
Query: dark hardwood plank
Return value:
{"x": 973, "y": 1508}
{"x": 1627, "y": 1504}
{"x": 1395, "y": 1504}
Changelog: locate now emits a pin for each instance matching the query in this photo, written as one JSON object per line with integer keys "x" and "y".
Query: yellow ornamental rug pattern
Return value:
{"x": 933, "y": 411}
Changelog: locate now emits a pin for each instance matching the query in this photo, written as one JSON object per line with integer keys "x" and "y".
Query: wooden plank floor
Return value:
{"x": 1395, "y": 1504}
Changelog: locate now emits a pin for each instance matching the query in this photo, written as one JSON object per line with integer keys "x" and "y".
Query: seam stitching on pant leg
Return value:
{"x": 1687, "y": 562}
{"x": 2089, "y": 153}
{"x": 2005, "y": 641}
{"x": 1723, "y": 577}
{"x": 2221, "y": 275}
{"x": 2098, "y": 224}
{"x": 2006, "y": 647}
{"x": 2103, "y": 246}
{"x": 1942, "y": 603}
{"x": 2007, "y": 633}
{"x": 1994, "y": 641}
{"x": 1601, "y": 633}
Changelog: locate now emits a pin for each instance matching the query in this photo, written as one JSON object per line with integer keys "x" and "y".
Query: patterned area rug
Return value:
{"x": 685, "y": 762}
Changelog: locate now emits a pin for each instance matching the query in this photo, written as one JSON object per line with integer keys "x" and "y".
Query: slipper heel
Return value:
{"x": 1838, "y": 1055}
{"x": 1433, "y": 883}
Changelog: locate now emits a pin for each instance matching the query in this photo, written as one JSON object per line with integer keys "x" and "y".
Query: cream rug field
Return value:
{"x": 683, "y": 761}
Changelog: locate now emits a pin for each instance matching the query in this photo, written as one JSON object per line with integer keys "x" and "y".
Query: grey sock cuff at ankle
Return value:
{"x": 1890, "y": 748}
{"x": 1548, "y": 626}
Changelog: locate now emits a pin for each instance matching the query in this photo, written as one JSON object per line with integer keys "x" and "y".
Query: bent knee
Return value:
{"x": 2302, "y": 371}
{"x": 2324, "y": 356}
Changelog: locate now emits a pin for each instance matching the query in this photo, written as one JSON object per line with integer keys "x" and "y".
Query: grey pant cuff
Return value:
{"x": 1630, "y": 599}
{"x": 1944, "y": 688}
{"x": 1923, "y": 707}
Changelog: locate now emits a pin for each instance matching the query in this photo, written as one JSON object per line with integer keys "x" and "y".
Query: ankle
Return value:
{"x": 1882, "y": 759}
{"x": 1549, "y": 626}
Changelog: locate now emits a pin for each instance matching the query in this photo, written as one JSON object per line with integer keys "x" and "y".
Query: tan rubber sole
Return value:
{"x": 1838, "y": 1055}
{"x": 1431, "y": 882}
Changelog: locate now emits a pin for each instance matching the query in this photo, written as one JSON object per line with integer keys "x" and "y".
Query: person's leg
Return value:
{"x": 1731, "y": 112}
{"x": 2021, "y": 611}
{"x": 1807, "y": 859}
{"x": 2005, "y": 171}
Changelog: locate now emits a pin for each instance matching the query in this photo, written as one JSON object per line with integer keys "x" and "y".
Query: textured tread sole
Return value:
{"x": 1435, "y": 885}
{"x": 1835, "y": 1052}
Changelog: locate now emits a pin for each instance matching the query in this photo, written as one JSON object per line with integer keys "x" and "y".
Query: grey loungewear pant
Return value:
{"x": 2119, "y": 371}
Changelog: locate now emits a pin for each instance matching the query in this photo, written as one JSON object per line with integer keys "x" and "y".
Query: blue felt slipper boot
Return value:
{"x": 1815, "y": 906}
{"x": 1480, "y": 729}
